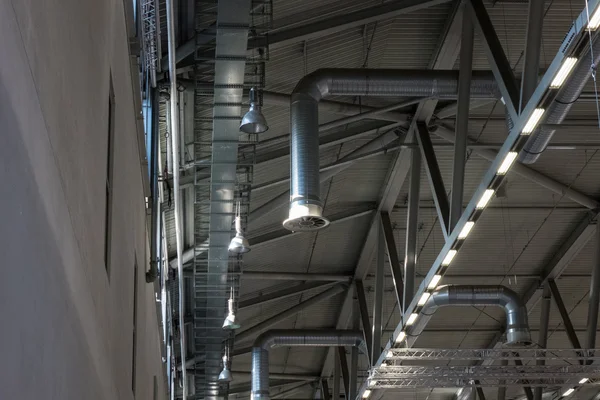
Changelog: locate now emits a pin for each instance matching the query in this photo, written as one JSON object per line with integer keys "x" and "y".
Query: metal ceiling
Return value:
{"x": 526, "y": 234}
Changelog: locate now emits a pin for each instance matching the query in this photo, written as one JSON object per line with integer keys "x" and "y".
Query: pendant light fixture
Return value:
{"x": 239, "y": 244}
{"x": 254, "y": 121}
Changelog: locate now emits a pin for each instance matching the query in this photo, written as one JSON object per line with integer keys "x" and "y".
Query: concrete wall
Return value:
{"x": 66, "y": 330}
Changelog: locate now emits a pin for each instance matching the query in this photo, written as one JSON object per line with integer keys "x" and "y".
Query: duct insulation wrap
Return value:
{"x": 306, "y": 205}
{"x": 292, "y": 338}
{"x": 560, "y": 107}
{"x": 517, "y": 325}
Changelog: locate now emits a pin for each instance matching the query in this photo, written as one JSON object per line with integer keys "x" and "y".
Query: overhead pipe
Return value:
{"x": 306, "y": 206}
{"x": 293, "y": 338}
{"x": 559, "y": 109}
{"x": 517, "y": 325}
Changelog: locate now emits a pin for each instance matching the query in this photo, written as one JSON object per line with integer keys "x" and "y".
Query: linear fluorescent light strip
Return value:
{"x": 485, "y": 199}
{"x": 366, "y": 394}
{"x": 466, "y": 230}
{"x": 568, "y": 392}
{"x": 401, "y": 337}
{"x": 434, "y": 282}
{"x": 563, "y": 72}
{"x": 411, "y": 320}
{"x": 449, "y": 257}
{"x": 423, "y": 298}
{"x": 584, "y": 380}
{"x": 533, "y": 121}
{"x": 507, "y": 163}
{"x": 595, "y": 20}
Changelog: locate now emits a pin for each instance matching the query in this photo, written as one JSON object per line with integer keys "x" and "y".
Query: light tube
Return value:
{"x": 533, "y": 121}
{"x": 584, "y": 380}
{"x": 563, "y": 72}
{"x": 448, "y": 258}
{"x": 400, "y": 337}
{"x": 595, "y": 20}
{"x": 434, "y": 282}
{"x": 412, "y": 319}
{"x": 507, "y": 163}
{"x": 485, "y": 199}
{"x": 366, "y": 394}
{"x": 466, "y": 230}
{"x": 423, "y": 298}
{"x": 568, "y": 392}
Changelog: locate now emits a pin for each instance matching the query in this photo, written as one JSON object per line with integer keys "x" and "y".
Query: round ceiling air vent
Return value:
{"x": 305, "y": 217}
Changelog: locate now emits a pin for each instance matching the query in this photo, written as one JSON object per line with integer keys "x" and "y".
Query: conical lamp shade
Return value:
{"x": 239, "y": 244}
{"x": 231, "y": 322}
{"x": 254, "y": 121}
{"x": 225, "y": 375}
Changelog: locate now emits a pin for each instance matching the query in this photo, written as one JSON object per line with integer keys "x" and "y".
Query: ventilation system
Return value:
{"x": 306, "y": 206}
{"x": 560, "y": 107}
{"x": 293, "y": 338}
{"x": 517, "y": 325}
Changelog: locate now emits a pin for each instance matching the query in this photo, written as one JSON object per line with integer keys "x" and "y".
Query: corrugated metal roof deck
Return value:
{"x": 515, "y": 238}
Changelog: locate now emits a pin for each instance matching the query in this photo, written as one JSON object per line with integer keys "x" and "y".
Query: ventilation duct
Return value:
{"x": 517, "y": 325}
{"x": 306, "y": 206}
{"x": 560, "y": 107}
{"x": 292, "y": 338}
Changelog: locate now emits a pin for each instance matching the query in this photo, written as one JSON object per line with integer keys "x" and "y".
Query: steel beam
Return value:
{"x": 294, "y": 276}
{"x": 533, "y": 46}
{"x": 281, "y": 294}
{"x": 392, "y": 252}
{"x": 543, "y": 333}
{"x": 594, "y": 298}
{"x": 251, "y": 332}
{"x": 480, "y": 394}
{"x": 412, "y": 228}
{"x": 526, "y": 389}
{"x": 434, "y": 176}
{"x": 502, "y": 389}
{"x": 336, "y": 374}
{"x": 446, "y": 133}
{"x": 444, "y": 58}
{"x": 354, "y": 354}
{"x": 344, "y": 367}
{"x": 246, "y": 387}
{"x": 325, "y": 389}
{"x": 564, "y": 314}
{"x": 497, "y": 58}
{"x": 364, "y": 315}
{"x": 327, "y": 26}
{"x": 379, "y": 293}
{"x": 462, "y": 121}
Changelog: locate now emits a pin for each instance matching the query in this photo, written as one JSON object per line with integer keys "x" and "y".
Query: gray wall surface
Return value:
{"x": 67, "y": 327}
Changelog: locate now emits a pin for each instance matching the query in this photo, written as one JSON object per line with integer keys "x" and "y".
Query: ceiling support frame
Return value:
{"x": 281, "y": 294}
{"x": 462, "y": 121}
{"x": 434, "y": 176}
{"x": 594, "y": 298}
{"x": 502, "y": 389}
{"x": 499, "y": 64}
{"x": 353, "y": 381}
{"x": 526, "y": 389}
{"x": 533, "y": 46}
{"x": 336, "y": 375}
{"x": 379, "y": 293}
{"x": 564, "y": 314}
{"x": 412, "y": 229}
{"x": 393, "y": 259}
{"x": 364, "y": 315}
{"x": 543, "y": 333}
{"x": 325, "y": 389}
{"x": 343, "y": 361}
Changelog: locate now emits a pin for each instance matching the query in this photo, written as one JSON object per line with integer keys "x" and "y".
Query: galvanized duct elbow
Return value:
{"x": 517, "y": 325}
{"x": 292, "y": 338}
{"x": 306, "y": 206}
{"x": 560, "y": 107}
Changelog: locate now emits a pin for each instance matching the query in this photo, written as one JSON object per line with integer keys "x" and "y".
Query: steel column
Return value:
{"x": 412, "y": 228}
{"x": 280, "y": 294}
{"x": 353, "y": 382}
{"x": 526, "y": 389}
{"x": 392, "y": 252}
{"x": 344, "y": 367}
{"x": 543, "y": 333}
{"x": 325, "y": 389}
{"x": 250, "y": 332}
{"x": 533, "y": 45}
{"x": 336, "y": 374}
{"x": 364, "y": 314}
{"x": 497, "y": 58}
{"x": 379, "y": 293}
{"x": 564, "y": 314}
{"x": 462, "y": 120}
{"x": 502, "y": 389}
{"x": 480, "y": 394}
{"x": 434, "y": 176}
{"x": 594, "y": 298}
